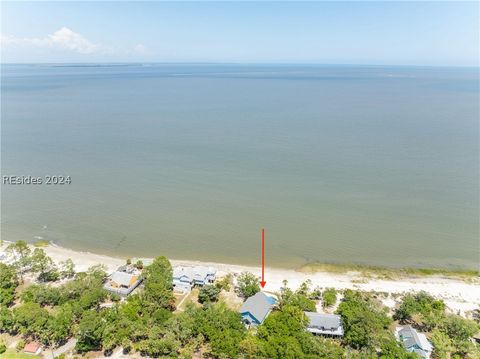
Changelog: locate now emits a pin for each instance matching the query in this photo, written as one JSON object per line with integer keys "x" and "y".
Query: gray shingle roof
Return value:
{"x": 326, "y": 321}
{"x": 258, "y": 305}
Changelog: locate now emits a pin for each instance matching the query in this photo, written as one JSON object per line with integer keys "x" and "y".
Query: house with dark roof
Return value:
{"x": 324, "y": 324}
{"x": 256, "y": 309}
{"x": 414, "y": 341}
{"x": 124, "y": 280}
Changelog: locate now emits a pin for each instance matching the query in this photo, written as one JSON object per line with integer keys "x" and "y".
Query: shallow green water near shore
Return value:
{"x": 370, "y": 165}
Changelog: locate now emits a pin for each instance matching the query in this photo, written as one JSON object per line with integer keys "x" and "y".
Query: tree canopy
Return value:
{"x": 248, "y": 284}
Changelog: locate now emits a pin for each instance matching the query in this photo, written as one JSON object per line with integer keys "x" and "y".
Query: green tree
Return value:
{"x": 248, "y": 284}
{"x": 283, "y": 333}
{"x": 20, "y": 345}
{"x": 304, "y": 288}
{"x": 442, "y": 344}
{"x": 43, "y": 295}
{"x": 249, "y": 347}
{"x": 208, "y": 293}
{"x": 459, "y": 328}
{"x": 184, "y": 325}
{"x": 6, "y": 320}
{"x": 30, "y": 320}
{"x": 224, "y": 283}
{"x": 298, "y": 299}
{"x": 324, "y": 348}
{"x": 20, "y": 252}
{"x": 365, "y": 323}
{"x": 391, "y": 349}
{"x": 158, "y": 343}
{"x": 421, "y": 309}
{"x": 158, "y": 285}
{"x": 44, "y": 266}
{"x": 89, "y": 332}
{"x": 8, "y": 284}
{"x": 58, "y": 326}
{"x": 67, "y": 269}
{"x": 222, "y": 328}
{"x": 329, "y": 297}
{"x": 316, "y": 294}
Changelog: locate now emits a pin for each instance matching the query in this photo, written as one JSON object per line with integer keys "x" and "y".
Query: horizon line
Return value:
{"x": 126, "y": 63}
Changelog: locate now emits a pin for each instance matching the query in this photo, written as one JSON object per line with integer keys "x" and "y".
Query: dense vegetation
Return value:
{"x": 450, "y": 334}
{"x": 149, "y": 323}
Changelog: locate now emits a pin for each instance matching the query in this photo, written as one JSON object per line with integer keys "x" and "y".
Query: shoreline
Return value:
{"x": 460, "y": 295}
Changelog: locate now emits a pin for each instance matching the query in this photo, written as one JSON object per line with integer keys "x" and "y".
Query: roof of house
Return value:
{"x": 326, "y": 321}
{"x": 197, "y": 272}
{"x": 122, "y": 278}
{"x": 31, "y": 347}
{"x": 258, "y": 306}
{"x": 411, "y": 338}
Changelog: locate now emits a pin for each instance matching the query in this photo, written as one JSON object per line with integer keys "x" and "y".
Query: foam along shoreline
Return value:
{"x": 460, "y": 296}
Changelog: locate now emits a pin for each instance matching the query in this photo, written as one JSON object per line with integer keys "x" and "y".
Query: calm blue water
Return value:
{"x": 376, "y": 165}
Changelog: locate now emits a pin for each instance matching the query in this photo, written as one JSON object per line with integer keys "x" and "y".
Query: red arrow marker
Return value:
{"x": 262, "y": 282}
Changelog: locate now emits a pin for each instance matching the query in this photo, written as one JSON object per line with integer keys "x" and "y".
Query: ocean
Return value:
{"x": 340, "y": 164}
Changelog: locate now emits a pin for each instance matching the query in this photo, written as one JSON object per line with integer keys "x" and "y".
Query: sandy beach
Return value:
{"x": 461, "y": 296}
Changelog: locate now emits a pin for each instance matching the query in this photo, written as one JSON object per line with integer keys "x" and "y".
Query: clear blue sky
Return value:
{"x": 409, "y": 33}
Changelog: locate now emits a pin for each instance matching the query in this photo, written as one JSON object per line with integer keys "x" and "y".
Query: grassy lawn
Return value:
{"x": 12, "y": 354}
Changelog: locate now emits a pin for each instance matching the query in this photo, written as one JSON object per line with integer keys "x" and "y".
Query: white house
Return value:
{"x": 184, "y": 278}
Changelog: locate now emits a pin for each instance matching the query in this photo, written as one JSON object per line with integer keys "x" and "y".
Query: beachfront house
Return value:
{"x": 414, "y": 341}
{"x": 324, "y": 324}
{"x": 184, "y": 277}
{"x": 124, "y": 280}
{"x": 256, "y": 309}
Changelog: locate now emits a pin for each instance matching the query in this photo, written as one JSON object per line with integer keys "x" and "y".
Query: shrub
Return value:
{"x": 224, "y": 283}
{"x": 430, "y": 309}
{"x": 329, "y": 297}
{"x": 208, "y": 293}
{"x": 20, "y": 345}
{"x": 296, "y": 299}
